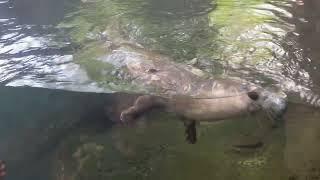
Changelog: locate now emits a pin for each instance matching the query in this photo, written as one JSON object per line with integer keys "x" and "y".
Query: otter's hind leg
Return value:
{"x": 142, "y": 105}
{"x": 191, "y": 131}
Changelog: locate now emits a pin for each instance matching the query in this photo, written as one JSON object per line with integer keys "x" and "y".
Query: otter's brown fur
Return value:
{"x": 193, "y": 109}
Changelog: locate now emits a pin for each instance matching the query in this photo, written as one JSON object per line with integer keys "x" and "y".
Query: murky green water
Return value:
{"x": 58, "y": 146}
{"x": 63, "y": 135}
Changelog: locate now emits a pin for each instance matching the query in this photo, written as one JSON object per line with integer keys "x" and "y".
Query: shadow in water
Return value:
{"x": 34, "y": 120}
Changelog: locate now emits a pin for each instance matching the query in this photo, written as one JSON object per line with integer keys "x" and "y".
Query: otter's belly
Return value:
{"x": 214, "y": 109}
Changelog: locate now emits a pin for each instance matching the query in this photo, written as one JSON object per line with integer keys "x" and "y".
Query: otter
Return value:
{"x": 187, "y": 91}
{"x": 231, "y": 102}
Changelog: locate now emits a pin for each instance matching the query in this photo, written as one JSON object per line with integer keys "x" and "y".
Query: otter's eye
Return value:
{"x": 253, "y": 95}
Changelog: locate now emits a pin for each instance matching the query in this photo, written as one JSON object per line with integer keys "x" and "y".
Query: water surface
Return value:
{"x": 269, "y": 43}
{"x": 34, "y": 52}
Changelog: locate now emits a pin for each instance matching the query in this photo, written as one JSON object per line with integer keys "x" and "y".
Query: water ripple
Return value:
{"x": 34, "y": 55}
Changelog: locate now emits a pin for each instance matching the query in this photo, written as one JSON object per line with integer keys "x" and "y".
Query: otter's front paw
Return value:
{"x": 126, "y": 117}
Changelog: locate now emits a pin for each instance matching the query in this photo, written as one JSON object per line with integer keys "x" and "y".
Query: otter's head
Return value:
{"x": 274, "y": 103}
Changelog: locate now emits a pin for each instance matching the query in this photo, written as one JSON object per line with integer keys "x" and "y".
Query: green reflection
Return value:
{"x": 138, "y": 22}
{"x": 243, "y": 31}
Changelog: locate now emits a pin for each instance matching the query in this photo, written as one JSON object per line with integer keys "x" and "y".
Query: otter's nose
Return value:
{"x": 277, "y": 103}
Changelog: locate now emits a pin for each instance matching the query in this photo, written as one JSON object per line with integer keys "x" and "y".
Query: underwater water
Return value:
{"x": 57, "y": 127}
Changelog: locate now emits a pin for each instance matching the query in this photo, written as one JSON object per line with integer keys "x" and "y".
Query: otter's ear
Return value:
{"x": 253, "y": 95}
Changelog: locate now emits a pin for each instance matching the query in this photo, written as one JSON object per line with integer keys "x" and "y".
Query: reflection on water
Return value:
{"x": 180, "y": 7}
{"x": 302, "y": 51}
{"x": 31, "y": 51}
